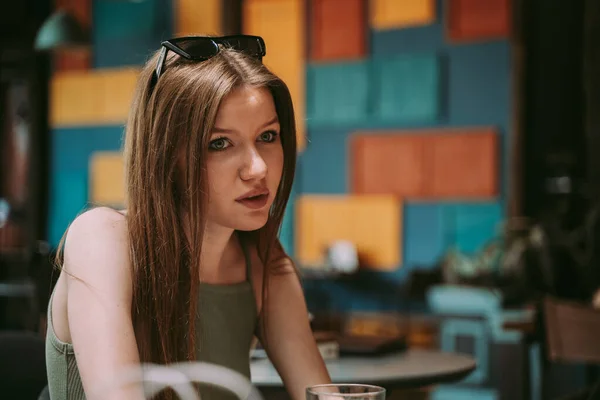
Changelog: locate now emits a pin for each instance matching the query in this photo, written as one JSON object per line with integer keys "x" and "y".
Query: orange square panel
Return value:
{"x": 477, "y": 19}
{"x": 338, "y": 30}
{"x": 389, "y": 164}
{"x": 372, "y": 223}
{"x": 464, "y": 165}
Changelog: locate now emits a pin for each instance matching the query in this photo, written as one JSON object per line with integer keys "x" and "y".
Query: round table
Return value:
{"x": 408, "y": 369}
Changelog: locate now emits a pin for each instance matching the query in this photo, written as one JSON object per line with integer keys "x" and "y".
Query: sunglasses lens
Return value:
{"x": 252, "y": 46}
{"x": 199, "y": 49}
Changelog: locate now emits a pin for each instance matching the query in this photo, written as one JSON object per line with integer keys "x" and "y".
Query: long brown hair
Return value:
{"x": 171, "y": 120}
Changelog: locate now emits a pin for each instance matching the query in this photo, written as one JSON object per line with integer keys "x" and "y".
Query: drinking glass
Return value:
{"x": 345, "y": 392}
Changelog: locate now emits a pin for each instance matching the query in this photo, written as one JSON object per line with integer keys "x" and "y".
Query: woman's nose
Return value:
{"x": 254, "y": 167}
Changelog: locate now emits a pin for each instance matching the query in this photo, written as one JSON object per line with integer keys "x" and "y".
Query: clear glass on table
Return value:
{"x": 349, "y": 391}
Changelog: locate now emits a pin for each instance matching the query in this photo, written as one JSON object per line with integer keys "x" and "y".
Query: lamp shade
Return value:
{"x": 61, "y": 30}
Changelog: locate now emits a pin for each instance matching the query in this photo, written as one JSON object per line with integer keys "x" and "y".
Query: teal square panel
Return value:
{"x": 338, "y": 94}
{"x": 126, "y": 32}
{"x": 472, "y": 225}
{"x": 407, "y": 88}
{"x": 128, "y": 19}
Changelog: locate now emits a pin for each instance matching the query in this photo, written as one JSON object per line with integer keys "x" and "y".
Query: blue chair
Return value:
{"x": 473, "y": 315}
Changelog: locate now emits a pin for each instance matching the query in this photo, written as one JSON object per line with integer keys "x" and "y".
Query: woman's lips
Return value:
{"x": 255, "y": 202}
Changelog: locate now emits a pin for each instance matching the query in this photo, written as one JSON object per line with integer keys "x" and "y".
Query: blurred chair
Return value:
{"x": 571, "y": 335}
{"x": 472, "y": 322}
{"x": 22, "y": 365}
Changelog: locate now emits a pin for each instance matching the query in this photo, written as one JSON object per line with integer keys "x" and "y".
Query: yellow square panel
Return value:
{"x": 281, "y": 24}
{"x": 372, "y": 222}
{"x": 85, "y": 98}
{"x": 394, "y": 14}
{"x": 118, "y": 88}
{"x": 198, "y": 17}
{"x": 74, "y": 98}
{"x": 107, "y": 179}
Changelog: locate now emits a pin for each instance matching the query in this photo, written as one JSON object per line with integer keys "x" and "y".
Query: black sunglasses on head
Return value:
{"x": 201, "y": 48}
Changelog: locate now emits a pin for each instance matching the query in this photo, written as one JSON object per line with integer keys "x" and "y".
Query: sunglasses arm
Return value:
{"x": 161, "y": 62}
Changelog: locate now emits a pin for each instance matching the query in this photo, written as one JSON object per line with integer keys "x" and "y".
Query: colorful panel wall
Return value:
{"x": 420, "y": 117}
{"x": 404, "y": 100}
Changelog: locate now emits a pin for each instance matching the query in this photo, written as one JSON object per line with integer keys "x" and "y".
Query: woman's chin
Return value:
{"x": 251, "y": 224}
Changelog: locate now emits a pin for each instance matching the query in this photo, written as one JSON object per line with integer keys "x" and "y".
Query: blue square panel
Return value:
{"x": 337, "y": 94}
{"x": 407, "y": 88}
{"x": 473, "y": 225}
{"x": 68, "y": 198}
{"x": 323, "y": 165}
{"x": 479, "y": 84}
{"x": 424, "y": 241}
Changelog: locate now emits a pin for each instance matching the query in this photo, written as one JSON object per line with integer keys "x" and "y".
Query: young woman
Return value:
{"x": 193, "y": 269}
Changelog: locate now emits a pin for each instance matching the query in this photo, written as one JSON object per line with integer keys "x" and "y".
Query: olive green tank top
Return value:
{"x": 226, "y": 323}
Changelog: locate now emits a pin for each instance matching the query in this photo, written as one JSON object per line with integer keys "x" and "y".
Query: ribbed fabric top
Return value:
{"x": 225, "y": 325}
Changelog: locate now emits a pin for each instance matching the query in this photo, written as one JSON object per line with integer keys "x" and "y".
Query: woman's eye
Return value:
{"x": 218, "y": 144}
{"x": 268, "y": 136}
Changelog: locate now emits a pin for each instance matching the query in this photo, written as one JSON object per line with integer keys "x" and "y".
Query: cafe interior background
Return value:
{"x": 447, "y": 158}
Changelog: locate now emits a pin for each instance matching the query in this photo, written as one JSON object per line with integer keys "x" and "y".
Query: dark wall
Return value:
{"x": 553, "y": 124}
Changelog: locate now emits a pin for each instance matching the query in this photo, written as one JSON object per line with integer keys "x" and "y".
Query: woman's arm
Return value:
{"x": 99, "y": 294}
{"x": 287, "y": 336}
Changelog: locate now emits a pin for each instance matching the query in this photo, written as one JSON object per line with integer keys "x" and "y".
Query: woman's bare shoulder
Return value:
{"x": 96, "y": 257}
{"x": 98, "y": 236}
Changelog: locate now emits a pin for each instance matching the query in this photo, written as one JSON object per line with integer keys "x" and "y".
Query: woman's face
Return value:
{"x": 245, "y": 160}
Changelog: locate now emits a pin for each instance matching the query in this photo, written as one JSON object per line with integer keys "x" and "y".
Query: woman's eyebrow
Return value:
{"x": 216, "y": 129}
